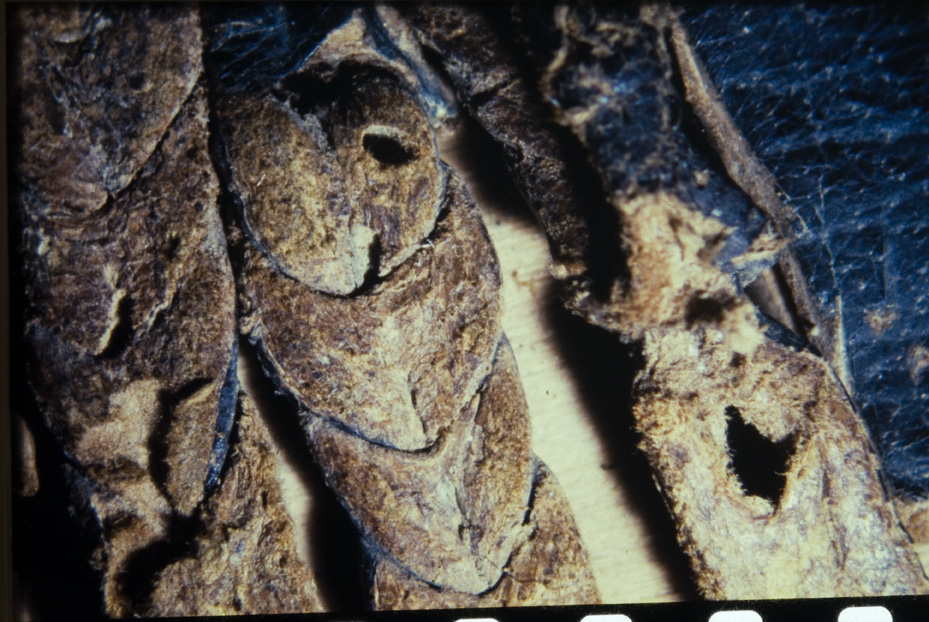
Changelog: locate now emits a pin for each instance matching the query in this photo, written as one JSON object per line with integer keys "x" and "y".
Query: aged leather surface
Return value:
{"x": 244, "y": 559}
{"x": 494, "y": 92}
{"x": 744, "y": 209}
{"x": 698, "y": 218}
{"x": 116, "y": 285}
{"x": 129, "y": 293}
{"x": 644, "y": 52}
{"x": 407, "y": 389}
{"x": 548, "y": 566}
{"x": 89, "y": 123}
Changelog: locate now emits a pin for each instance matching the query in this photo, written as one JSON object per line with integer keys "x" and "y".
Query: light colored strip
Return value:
{"x": 865, "y": 614}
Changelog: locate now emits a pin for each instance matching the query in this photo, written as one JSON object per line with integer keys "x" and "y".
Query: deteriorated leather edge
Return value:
{"x": 122, "y": 253}
{"x": 689, "y": 311}
{"x": 549, "y": 565}
{"x": 430, "y": 485}
{"x": 244, "y": 558}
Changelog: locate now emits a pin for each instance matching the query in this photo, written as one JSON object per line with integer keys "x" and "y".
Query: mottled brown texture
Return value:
{"x": 367, "y": 279}
{"x": 126, "y": 362}
{"x": 395, "y": 364}
{"x": 408, "y": 391}
{"x": 390, "y": 162}
{"x": 99, "y": 86}
{"x": 293, "y": 195}
{"x": 914, "y": 515}
{"x": 673, "y": 281}
{"x": 244, "y": 558}
{"x": 498, "y": 96}
{"x": 119, "y": 323}
{"x": 450, "y": 514}
{"x": 592, "y": 46}
{"x": 338, "y": 173}
{"x": 548, "y": 565}
{"x": 389, "y": 48}
{"x": 831, "y": 531}
{"x": 447, "y": 505}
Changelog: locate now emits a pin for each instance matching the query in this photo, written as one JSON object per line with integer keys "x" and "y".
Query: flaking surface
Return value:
{"x": 244, "y": 558}
{"x": 430, "y": 329}
{"x": 292, "y": 193}
{"x": 690, "y": 217}
{"x": 127, "y": 365}
{"x": 548, "y": 566}
{"x": 88, "y": 125}
{"x": 825, "y": 525}
{"x": 498, "y": 96}
{"x": 451, "y": 514}
{"x": 408, "y": 391}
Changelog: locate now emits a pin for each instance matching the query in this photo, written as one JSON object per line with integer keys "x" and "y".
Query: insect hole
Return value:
{"x": 386, "y": 145}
